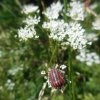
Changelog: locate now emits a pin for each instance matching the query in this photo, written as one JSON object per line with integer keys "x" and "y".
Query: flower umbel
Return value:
{"x": 76, "y": 38}
{"x": 14, "y": 71}
{"x": 70, "y": 33}
{"x": 29, "y": 30}
{"x": 52, "y": 12}
{"x": 76, "y": 10}
{"x": 96, "y": 23}
{"x": 9, "y": 84}
{"x": 29, "y": 8}
{"x": 57, "y": 29}
{"x": 31, "y": 20}
{"x": 87, "y": 57}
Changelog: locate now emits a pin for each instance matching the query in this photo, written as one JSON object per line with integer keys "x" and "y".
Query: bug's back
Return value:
{"x": 56, "y": 78}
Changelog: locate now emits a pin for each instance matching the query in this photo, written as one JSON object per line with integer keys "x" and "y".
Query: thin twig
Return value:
{"x": 89, "y": 10}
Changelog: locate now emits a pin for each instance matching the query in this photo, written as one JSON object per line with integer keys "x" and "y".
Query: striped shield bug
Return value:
{"x": 56, "y": 78}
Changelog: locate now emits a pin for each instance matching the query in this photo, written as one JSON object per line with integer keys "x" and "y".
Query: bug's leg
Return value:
{"x": 42, "y": 91}
{"x": 63, "y": 72}
{"x": 61, "y": 90}
{"x": 53, "y": 90}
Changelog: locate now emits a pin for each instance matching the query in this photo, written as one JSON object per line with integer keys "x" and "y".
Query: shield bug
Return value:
{"x": 56, "y": 78}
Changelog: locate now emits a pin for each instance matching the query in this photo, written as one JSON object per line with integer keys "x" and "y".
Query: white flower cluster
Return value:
{"x": 28, "y": 31}
{"x": 63, "y": 67}
{"x": 9, "y": 84}
{"x": 31, "y": 21}
{"x": 43, "y": 72}
{"x": 52, "y": 12}
{"x": 93, "y": 6}
{"x": 14, "y": 71}
{"x": 26, "y": 9}
{"x": 68, "y": 33}
{"x": 89, "y": 58}
{"x": 57, "y": 29}
{"x": 91, "y": 37}
{"x": 76, "y": 36}
{"x": 96, "y": 23}
{"x": 76, "y": 10}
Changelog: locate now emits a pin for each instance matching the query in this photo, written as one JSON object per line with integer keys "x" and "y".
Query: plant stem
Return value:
{"x": 65, "y": 9}
{"x": 71, "y": 77}
{"x": 53, "y": 53}
{"x": 84, "y": 80}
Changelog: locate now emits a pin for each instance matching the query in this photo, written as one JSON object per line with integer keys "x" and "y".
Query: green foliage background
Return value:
{"x": 31, "y": 54}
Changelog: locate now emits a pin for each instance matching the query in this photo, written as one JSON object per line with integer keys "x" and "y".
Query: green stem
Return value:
{"x": 43, "y": 5}
{"x": 65, "y": 10}
{"x": 84, "y": 79}
{"x": 53, "y": 53}
{"x": 71, "y": 77}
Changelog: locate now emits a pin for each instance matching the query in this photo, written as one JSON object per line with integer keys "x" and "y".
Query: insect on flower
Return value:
{"x": 56, "y": 78}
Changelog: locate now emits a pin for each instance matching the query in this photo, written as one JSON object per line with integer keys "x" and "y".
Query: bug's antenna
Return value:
{"x": 56, "y": 66}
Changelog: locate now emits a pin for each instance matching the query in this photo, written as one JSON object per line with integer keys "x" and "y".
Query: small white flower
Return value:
{"x": 63, "y": 67}
{"x": 27, "y": 32}
{"x": 52, "y": 12}
{"x": 46, "y": 64}
{"x": 87, "y": 57}
{"x": 76, "y": 10}
{"x": 70, "y": 82}
{"x": 23, "y": 33}
{"x": 31, "y": 20}
{"x": 43, "y": 72}
{"x": 76, "y": 37}
{"x": 45, "y": 77}
{"x": 93, "y": 6}
{"x": 77, "y": 73}
{"x": 91, "y": 37}
{"x": 9, "y": 84}
{"x": 57, "y": 28}
{"x": 29, "y": 8}
{"x": 96, "y": 23}
{"x": 14, "y": 71}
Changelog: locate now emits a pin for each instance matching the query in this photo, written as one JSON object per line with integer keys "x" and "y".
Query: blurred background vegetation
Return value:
{"x": 30, "y": 55}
